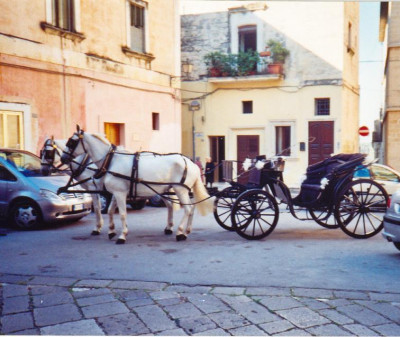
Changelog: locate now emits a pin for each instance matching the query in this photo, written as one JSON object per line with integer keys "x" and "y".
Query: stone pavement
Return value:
{"x": 38, "y": 305}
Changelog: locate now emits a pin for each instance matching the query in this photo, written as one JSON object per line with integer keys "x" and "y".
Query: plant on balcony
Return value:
{"x": 215, "y": 62}
{"x": 279, "y": 54}
{"x": 247, "y": 63}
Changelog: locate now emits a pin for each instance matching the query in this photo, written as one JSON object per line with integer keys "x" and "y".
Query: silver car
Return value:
{"x": 391, "y": 221}
{"x": 29, "y": 199}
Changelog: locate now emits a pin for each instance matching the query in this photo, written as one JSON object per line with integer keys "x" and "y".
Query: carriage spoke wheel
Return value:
{"x": 324, "y": 217}
{"x": 360, "y": 208}
{"x": 254, "y": 214}
{"x": 223, "y": 207}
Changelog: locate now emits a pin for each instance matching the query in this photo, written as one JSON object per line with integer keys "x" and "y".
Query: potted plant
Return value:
{"x": 215, "y": 62}
{"x": 279, "y": 54}
{"x": 247, "y": 63}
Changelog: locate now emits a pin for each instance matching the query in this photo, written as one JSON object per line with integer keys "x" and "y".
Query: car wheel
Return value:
{"x": 156, "y": 201}
{"x": 138, "y": 204}
{"x": 397, "y": 245}
{"x": 25, "y": 215}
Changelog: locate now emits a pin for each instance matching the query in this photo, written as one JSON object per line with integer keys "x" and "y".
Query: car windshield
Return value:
{"x": 27, "y": 164}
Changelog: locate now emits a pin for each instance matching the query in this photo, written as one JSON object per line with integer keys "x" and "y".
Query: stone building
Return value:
{"x": 305, "y": 112}
{"x": 387, "y": 133}
{"x": 109, "y": 65}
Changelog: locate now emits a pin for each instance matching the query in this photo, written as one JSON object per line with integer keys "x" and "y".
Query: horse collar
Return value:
{"x": 106, "y": 163}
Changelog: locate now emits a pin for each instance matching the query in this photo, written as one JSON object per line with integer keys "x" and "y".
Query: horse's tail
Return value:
{"x": 204, "y": 203}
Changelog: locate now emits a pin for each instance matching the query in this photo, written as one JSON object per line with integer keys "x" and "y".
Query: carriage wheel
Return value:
{"x": 324, "y": 217}
{"x": 255, "y": 214}
{"x": 360, "y": 208}
{"x": 223, "y": 206}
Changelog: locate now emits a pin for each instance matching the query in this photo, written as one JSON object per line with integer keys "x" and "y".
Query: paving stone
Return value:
{"x": 189, "y": 289}
{"x": 16, "y": 322}
{"x": 42, "y": 290}
{"x": 228, "y": 320}
{"x": 171, "y": 301}
{"x": 294, "y": 332}
{"x": 359, "y": 330}
{"x": 303, "y": 317}
{"x": 391, "y": 329}
{"x": 174, "y": 332}
{"x": 215, "y": 332}
{"x": 129, "y": 295}
{"x": 79, "y": 328}
{"x": 20, "y": 279}
{"x": 122, "y": 324}
{"x": 351, "y": 295}
{"x": 139, "y": 303}
{"x": 155, "y": 318}
{"x": 85, "y": 301}
{"x": 384, "y": 297}
{"x": 255, "y": 312}
{"x": 248, "y": 330}
{"x": 280, "y": 303}
{"x": 268, "y": 291}
{"x": 341, "y": 302}
{"x": 328, "y": 330}
{"x": 56, "y": 314}
{"x": 47, "y": 300}
{"x": 229, "y": 290}
{"x": 28, "y": 332}
{"x": 312, "y": 293}
{"x": 207, "y": 303}
{"x": 195, "y": 325}
{"x": 234, "y": 300}
{"x": 104, "y": 309}
{"x": 384, "y": 309}
{"x": 93, "y": 283}
{"x": 87, "y": 292}
{"x": 277, "y": 326}
{"x": 182, "y": 310}
{"x": 138, "y": 285}
{"x": 163, "y": 295}
{"x": 13, "y": 305}
{"x": 336, "y": 317}
{"x": 13, "y": 290}
{"x": 313, "y": 303}
{"x": 363, "y": 315}
{"x": 53, "y": 281}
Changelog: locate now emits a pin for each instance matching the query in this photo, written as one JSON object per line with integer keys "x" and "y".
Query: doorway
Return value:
{"x": 320, "y": 141}
{"x": 217, "y": 154}
{"x": 247, "y": 147}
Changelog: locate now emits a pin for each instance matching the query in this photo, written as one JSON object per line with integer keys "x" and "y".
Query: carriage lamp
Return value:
{"x": 187, "y": 67}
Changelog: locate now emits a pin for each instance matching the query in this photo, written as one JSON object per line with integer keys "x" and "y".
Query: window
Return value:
{"x": 156, "y": 121}
{"x": 11, "y": 126}
{"x": 63, "y": 14}
{"x": 114, "y": 132}
{"x": 282, "y": 140}
{"x": 322, "y": 106}
{"x": 248, "y": 38}
{"x": 137, "y": 27}
{"x": 6, "y": 175}
{"x": 382, "y": 173}
{"x": 247, "y": 107}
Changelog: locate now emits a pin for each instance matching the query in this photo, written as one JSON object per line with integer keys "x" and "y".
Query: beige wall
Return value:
{"x": 91, "y": 81}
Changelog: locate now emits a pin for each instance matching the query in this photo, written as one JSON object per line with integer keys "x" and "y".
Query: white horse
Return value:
{"x": 144, "y": 174}
{"x": 81, "y": 170}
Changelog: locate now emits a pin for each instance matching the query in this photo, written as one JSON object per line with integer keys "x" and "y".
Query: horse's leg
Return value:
{"x": 99, "y": 217}
{"x": 111, "y": 210}
{"x": 188, "y": 209}
{"x": 121, "y": 202}
{"x": 170, "y": 224}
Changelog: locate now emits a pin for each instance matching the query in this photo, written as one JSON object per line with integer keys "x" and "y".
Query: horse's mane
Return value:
{"x": 101, "y": 138}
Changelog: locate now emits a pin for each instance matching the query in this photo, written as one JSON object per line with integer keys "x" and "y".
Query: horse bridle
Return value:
{"x": 49, "y": 155}
{"x": 72, "y": 144}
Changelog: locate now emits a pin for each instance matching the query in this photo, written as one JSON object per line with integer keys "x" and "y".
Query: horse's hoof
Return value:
{"x": 120, "y": 242}
{"x": 95, "y": 233}
{"x": 111, "y": 235}
{"x": 167, "y": 231}
{"x": 180, "y": 237}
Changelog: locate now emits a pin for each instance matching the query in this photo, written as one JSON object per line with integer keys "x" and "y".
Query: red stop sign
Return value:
{"x": 363, "y": 131}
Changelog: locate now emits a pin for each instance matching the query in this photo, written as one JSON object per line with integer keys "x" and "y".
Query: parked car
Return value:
{"x": 29, "y": 199}
{"x": 384, "y": 175}
{"x": 391, "y": 221}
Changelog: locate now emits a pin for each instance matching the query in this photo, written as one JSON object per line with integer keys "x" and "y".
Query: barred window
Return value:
{"x": 322, "y": 106}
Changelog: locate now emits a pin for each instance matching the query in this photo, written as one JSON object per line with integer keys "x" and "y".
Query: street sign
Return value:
{"x": 363, "y": 131}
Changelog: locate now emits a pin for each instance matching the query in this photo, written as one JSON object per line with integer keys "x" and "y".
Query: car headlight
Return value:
{"x": 50, "y": 195}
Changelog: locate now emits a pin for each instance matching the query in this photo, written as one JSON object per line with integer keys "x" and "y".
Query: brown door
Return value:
{"x": 320, "y": 141}
{"x": 112, "y": 131}
{"x": 247, "y": 147}
{"x": 217, "y": 151}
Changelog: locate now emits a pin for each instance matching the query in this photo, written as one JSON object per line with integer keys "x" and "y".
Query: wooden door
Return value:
{"x": 247, "y": 147}
{"x": 217, "y": 151}
{"x": 320, "y": 141}
{"x": 112, "y": 132}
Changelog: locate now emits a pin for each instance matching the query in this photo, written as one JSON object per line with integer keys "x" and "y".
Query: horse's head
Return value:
{"x": 47, "y": 156}
{"x": 74, "y": 147}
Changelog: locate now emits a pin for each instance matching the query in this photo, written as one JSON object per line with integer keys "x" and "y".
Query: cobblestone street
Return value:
{"x": 63, "y": 306}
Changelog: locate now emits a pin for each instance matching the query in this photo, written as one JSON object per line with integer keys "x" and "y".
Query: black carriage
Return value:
{"x": 329, "y": 195}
